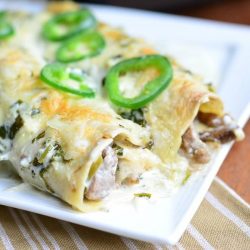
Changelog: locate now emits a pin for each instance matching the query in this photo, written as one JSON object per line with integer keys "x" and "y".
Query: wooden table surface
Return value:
{"x": 235, "y": 170}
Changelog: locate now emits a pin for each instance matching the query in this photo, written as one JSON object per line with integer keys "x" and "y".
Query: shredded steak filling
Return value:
{"x": 223, "y": 128}
{"x": 194, "y": 148}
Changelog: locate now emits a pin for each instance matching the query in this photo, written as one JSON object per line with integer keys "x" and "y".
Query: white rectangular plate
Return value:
{"x": 221, "y": 53}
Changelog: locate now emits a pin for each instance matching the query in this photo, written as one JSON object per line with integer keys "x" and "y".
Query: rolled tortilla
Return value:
{"x": 56, "y": 149}
{"x": 170, "y": 115}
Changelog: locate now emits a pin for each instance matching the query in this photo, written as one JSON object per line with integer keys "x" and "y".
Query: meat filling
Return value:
{"x": 194, "y": 148}
{"x": 103, "y": 182}
{"x": 220, "y": 134}
{"x": 209, "y": 119}
{"x": 221, "y": 130}
{"x": 224, "y": 128}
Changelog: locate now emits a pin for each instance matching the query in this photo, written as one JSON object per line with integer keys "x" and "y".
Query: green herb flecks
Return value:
{"x": 45, "y": 154}
{"x": 188, "y": 175}
{"x": 15, "y": 127}
{"x": 135, "y": 115}
{"x": 147, "y": 195}
{"x": 36, "y": 162}
{"x": 118, "y": 150}
{"x": 3, "y": 131}
{"x": 211, "y": 87}
{"x": 40, "y": 136}
{"x": 150, "y": 144}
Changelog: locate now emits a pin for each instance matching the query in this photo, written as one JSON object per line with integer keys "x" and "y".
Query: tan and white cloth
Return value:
{"x": 222, "y": 222}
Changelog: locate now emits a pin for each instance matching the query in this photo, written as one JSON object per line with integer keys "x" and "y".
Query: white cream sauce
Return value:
{"x": 159, "y": 184}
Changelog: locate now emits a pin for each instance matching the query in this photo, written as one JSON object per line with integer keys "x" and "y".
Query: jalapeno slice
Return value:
{"x": 67, "y": 24}
{"x": 6, "y": 29}
{"x": 59, "y": 76}
{"x": 82, "y": 46}
{"x": 152, "y": 88}
{"x": 2, "y": 13}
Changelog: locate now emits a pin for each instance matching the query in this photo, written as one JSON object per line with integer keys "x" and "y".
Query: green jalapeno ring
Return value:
{"x": 6, "y": 29}
{"x": 150, "y": 91}
{"x": 3, "y": 13}
{"x": 74, "y": 49}
{"x": 67, "y": 24}
{"x": 55, "y": 74}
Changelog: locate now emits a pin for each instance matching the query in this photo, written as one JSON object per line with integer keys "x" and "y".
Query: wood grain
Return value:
{"x": 237, "y": 11}
{"x": 235, "y": 170}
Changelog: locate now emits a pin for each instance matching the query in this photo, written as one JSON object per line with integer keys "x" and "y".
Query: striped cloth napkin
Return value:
{"x": 222, "y": 222}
